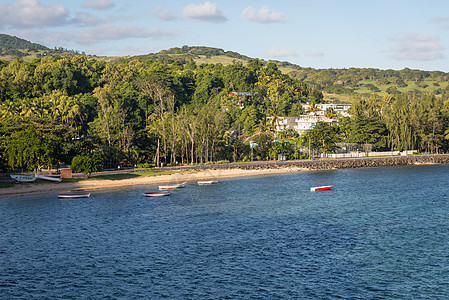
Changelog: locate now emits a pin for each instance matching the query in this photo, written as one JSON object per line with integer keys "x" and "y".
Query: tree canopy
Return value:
{"x": 137, "y": 111}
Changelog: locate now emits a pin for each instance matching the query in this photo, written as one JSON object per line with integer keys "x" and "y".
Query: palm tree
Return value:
{"x": 313, "y": 108}
{"x": 330, "y": 113}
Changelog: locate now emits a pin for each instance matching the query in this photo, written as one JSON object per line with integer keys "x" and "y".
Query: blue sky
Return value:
{"x": 380, "y": 34}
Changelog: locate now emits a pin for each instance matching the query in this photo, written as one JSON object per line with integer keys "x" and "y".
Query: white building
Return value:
{"x": 302, "y": 123}
{"x": 341, "y": 109}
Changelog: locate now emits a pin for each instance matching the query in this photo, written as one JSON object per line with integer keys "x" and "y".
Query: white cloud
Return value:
{"x": 442, "y": 21}
{"x": 204, "y": 12}
{"x": 263, "y": 15}
{"x": 415, "y": 47}
{"x": 31, "y": 13}
{"x": 162, "y": 14}
{"x": 98, "y": 4}
{"x": 277, "y": 51}
{"x": 88, "y": 19}
{"x": 112, "y": 32}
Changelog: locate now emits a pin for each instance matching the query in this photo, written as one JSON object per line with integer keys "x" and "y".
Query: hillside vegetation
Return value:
{"x": 338, "y": 85}
{"x": 12, "y": 47}
{"x": 174, "y": 108}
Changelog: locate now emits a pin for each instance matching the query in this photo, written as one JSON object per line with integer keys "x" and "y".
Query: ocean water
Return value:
{"x": 381, "y": 233}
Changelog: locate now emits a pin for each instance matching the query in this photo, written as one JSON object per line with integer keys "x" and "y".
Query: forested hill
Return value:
{"x": 8, "y": 42}
{"x": 337, "y": 84}
{"x": 199, "y": 54}
{"x": 12, "y": 47}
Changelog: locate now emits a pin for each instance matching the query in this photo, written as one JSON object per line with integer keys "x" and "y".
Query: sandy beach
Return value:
{"x": 152, "y": 181}
{"x": 216, "y": 172}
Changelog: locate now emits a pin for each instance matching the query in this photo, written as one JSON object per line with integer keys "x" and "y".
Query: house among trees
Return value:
{"x": 321, "y": 112}
{"x": 302, "y": 123}
{"x": 320, "y": 109}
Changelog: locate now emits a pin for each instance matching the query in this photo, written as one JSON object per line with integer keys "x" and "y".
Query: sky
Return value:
{"x": 321, "y": 34}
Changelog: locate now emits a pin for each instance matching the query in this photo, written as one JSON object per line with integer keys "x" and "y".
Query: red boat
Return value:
{"x": 157, "y": 193}
{"x": 321, "y": 188}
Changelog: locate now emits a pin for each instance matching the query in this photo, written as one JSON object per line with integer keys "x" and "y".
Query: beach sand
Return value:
{"x": 95, "y": 184}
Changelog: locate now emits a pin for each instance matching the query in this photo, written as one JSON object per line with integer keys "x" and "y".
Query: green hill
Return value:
{"x": 8, "y": 42}
{"x": 336, "y": 84}
{"x": 12, "y": 47}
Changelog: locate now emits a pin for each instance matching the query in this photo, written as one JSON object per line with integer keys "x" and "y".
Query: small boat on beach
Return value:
{"x": 207, "y": 182}
{"x": 321, "y": 188}
{"x": 22, "y": 178}
{"x": 172, "y": 187}
{"x": 54, "y": 179}
{"x": 157, "y": 193}
{"x": 73, "y": 195}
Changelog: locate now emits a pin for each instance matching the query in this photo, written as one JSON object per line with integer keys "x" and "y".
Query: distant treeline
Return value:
{"x": 187, "y": 54}
{"x": 344, "y": 81}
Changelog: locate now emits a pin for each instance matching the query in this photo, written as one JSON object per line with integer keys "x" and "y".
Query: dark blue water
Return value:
{"x": 382, "y": 233}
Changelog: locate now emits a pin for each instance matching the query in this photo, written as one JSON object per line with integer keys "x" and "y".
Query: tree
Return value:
{"x": 322, "y": 136}
{"x": 264, "y": 141}
{"x": 296, "y": 110}
{"x": 313, "y": 108}
{"x": 330, "y": 113}
{"x": 28, "y": 150}
{"x": 85, "y": 164}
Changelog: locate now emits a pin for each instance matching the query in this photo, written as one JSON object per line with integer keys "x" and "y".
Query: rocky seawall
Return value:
{"x": 328, "y": 164}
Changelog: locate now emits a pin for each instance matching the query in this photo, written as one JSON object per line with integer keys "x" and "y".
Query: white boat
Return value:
{"x": 172, "y": 187}
{"x": 206, "y": 182}
{"x": 157, "y": 193}
{"x": 54, "y": 179}
{"x": 321, "y": 188}
{"x": 22, "y": 178}
{"x": 73, "y": 195}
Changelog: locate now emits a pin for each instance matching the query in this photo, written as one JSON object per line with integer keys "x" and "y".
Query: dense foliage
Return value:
{"x": 136, "y": 112}
{"x": 91, "y": 113}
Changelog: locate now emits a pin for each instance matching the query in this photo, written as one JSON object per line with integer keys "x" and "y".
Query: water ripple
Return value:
{"x": 256, "y": 238}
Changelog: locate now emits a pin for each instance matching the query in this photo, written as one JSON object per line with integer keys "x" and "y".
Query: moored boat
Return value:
{"x": 54, "y": 179}
{"x": 73, "y": 195}
{"x": 172, "y": 187}
{"x": 157, "y": 193}
{"x": 207, "y": 182}
{"x": 22, "y": 178}
{"x": 321, "y": 188}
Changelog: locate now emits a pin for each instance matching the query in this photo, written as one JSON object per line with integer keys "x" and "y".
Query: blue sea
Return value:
{"x": 381, "y": 233}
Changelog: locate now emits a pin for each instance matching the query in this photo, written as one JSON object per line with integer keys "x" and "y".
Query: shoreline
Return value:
{"x": 92, "y": 184}
{"x": 231, "y": 170}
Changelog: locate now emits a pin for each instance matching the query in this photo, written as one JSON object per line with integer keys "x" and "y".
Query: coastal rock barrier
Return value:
{"x": 329, "y": 164}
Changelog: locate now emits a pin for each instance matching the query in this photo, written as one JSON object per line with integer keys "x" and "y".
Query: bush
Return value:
{"x": 84, "y": 164}
{"x": 145, "y": 166}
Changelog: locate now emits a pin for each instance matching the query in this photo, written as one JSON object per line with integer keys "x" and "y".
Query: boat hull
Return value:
{"x": 207, "y": 182}
{"x": 22, "y": 178}
{"x": 321, "y": 188}
{"x": 54, "y": 179}
{"x": 73, "y": 195}
{"x": 157, "y": 194}
{"x": 172, "y": 187}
